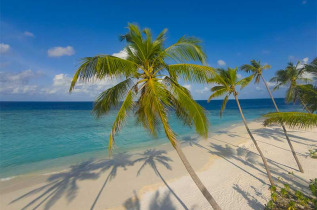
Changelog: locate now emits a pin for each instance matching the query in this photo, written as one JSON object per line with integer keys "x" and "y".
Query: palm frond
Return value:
{"x": 120, "y": 119}
{"x": 224, "y": 103}
{"x": 191, "y": 72}
{"x": 186, "y": 49}
{"x": 102, "y": 66}
{"x": 217, "y": 93}
{"x": 248, "y": 68}
{"x": 245, "y": 81}
{"x": 111, "y": 97}
{"x": 194, "y": 111}
{"x": 292, "y": 119}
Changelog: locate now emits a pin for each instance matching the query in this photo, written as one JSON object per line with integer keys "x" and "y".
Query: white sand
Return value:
{"x": 227, "y": 163}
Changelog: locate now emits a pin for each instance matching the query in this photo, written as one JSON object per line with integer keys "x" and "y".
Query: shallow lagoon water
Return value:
{"x": 37, "y": 136}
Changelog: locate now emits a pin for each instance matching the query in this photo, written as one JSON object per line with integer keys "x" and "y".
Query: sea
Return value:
{"x": 38, "y": 137}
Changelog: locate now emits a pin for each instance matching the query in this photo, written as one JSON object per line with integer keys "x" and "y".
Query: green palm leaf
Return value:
{"x": 191, "y": 72}
{"x": 292, "y": 119}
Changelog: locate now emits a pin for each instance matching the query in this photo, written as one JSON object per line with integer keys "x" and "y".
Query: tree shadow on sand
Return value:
{"x": 66, "y": 183}
{"x": 235, "y": 154}
{"x": 117, "y": 161}
{"x": 252, "y": 201}
{"x": 153, "y": 157}
{"x": 60, "y": 184}
{"x": 278, "y": 134}
{"x": 249, "y": 159}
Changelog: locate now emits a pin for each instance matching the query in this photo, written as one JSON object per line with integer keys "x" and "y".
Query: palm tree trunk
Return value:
{"x": 284, "y": 129}
{"x": 195, "y": 178}
{"x": 255, "y": 143}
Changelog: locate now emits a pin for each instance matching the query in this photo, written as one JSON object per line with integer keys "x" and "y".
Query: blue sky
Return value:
{"x": 43, "y": 41}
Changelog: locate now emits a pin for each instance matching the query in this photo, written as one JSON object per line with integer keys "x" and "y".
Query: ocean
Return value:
{"x": 40, "y": 136}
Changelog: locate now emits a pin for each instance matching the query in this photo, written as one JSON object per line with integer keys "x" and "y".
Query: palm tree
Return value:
{"x": 291, "y": 75}
{"x": 150, "y": 87}
{"x": 227, "y": 81}
{"x": 256, "y": 69}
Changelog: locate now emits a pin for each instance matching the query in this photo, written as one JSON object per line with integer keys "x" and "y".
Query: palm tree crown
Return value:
{"x": 255, "y": 68}
{"x": 227, "y": 81}
{"x": 291, "y": 75}
{"x": 150, "y": 83}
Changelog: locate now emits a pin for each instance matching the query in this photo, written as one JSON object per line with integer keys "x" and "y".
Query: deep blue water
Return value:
{"x": 36, "y": 135}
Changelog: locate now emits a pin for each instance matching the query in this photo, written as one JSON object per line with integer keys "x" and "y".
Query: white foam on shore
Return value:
{"x": 7, "y": 178}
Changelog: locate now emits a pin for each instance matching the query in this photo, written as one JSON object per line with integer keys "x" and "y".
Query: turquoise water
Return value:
{"x": 42, "y": 135}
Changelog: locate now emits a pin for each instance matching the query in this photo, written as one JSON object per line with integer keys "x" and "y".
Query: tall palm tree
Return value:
{"x": 256, "y": 69}
{"x": 150, "y": 87}
{"x": 291, "y": 75}
{"x": 227, "y": 81}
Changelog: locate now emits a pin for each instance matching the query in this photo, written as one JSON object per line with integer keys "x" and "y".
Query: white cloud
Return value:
{"x": 221, "y": 62}
{"x": 239, "y": 76}
{"x": 204, "y": 90}
{"x": 61, "y": 51}
{"x": 4, "y": 48}
{"x": 122, "y": 54}
{"x": 188, "y": 87}
{"x": 291, "y": 58}
{"x": 15, "y": 83}
{"x": 61, "y": 84}
{"x": 271, "y": 84}
{"x": 258, "y": 88}
{"x": 305, "y": 60}
{"x": 29, "y": 34}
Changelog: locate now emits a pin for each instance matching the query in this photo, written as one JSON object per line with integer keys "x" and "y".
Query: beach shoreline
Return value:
{"x": 223, "y": 153}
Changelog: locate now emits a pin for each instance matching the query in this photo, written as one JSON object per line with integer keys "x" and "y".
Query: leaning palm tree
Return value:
{"x": 256, "y": 69}
{"x": 227, "y": 81}
{"x": 291, "y": 75}
{"x": 150, "y": 87}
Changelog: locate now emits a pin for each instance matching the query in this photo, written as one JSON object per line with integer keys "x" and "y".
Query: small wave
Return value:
{"x": 7, "y": 178}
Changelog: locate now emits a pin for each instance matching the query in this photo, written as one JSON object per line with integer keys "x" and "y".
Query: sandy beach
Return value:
{"x": 227, "y": 163}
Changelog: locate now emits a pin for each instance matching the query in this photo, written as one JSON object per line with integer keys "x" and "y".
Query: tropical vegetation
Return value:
{"x": 149, "y": 86}
{"x": 256, "y": 69}
{"x": 226, "y": 82}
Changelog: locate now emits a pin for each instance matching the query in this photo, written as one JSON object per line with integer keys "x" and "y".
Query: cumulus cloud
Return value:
{"x": 4, "y": 48}
{"x": 221, "y": 62}
{"x": 61, "y": 83}
{"x": 122, "y": 54}
{"x": 204, "y": 90}
{"x": 15, "y": 83}
{"x": 239, "y": 76}
{"x": 29, "y": 34}
{"x": 258, "y": 88}
{"x": 188, "y": 87}
{"x": 61, "y": 51}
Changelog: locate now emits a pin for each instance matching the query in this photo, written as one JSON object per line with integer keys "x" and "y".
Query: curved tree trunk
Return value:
{"x": 284, "y": 129}
{"x": 255, "y": 143}
{"x": 195, "y": 178}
